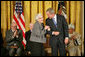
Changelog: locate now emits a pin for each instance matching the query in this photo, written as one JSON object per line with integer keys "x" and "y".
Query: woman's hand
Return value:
{"x": 46, "y": 27}
{"x": 73, "y": 37}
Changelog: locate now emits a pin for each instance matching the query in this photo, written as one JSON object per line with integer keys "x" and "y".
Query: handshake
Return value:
{"x": 54, "y": 32}
{"x": 47, "y": 28}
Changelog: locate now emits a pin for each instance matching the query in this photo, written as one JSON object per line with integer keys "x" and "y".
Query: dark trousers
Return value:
{"x": 37, "y": 49}
{"x": 58, "y": 44}
{"x": 4, "y": 51}
{"x": 13, "y": 51}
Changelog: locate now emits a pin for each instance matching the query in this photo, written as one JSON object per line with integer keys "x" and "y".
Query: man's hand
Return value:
{"x": 47, "y": 28}
{"x": 55, "y": 33}
{"x": 66, "y": 40}
{"x": 15, "y": 33}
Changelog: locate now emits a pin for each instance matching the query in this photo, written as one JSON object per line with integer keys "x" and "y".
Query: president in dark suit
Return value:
{"x": 14, "y": 39}
{"x": 58, "y": 32}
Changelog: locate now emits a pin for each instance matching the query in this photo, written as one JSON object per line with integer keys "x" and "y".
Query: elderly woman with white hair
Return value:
{"x": 74, "y": 42}
{"x": 38, "y": 37}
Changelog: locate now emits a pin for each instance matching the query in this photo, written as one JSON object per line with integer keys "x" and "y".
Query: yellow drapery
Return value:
{"x": 31, "y": 8}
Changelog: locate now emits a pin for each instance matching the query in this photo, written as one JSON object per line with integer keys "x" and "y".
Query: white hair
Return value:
{"x": 37, "y": 16}
{"x": 71, "y": 26}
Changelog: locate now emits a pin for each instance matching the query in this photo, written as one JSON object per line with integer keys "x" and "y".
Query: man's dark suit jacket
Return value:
{"x": 62, "y": 27}
{"x": 10, "y": 40}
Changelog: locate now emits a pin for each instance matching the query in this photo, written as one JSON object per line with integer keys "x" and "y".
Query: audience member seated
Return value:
{"x": 14, "y": 39}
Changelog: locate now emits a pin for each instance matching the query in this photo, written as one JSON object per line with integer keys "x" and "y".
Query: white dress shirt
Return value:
{"x": 55, "y": 17}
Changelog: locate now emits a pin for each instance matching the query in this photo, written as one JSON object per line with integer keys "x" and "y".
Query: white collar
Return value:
{"x": 55, "y": 16}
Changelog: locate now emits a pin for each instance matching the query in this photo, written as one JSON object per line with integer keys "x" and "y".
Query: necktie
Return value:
{"x": 54, "y": 22}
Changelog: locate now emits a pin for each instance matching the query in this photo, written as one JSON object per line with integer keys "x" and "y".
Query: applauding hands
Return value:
{"x": 16, "y": 34}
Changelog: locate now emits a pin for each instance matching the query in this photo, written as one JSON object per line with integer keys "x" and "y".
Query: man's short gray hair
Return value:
{"x": 50, "y": 10}
{"x": 37, "y": 16}
{"x": 13, "y": 23}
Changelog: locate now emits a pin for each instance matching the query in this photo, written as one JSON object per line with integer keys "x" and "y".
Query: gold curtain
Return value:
{"x": 31, "y": 8}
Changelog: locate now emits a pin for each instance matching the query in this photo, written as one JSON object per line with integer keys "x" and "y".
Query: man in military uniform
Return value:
{"x": 74, "y": 42}
{"x": 14, "y": 40}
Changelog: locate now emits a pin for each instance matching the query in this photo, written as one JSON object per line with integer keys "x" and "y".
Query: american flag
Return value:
{"x": 19, "y": 19}
{"x": 62, "y": 9}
